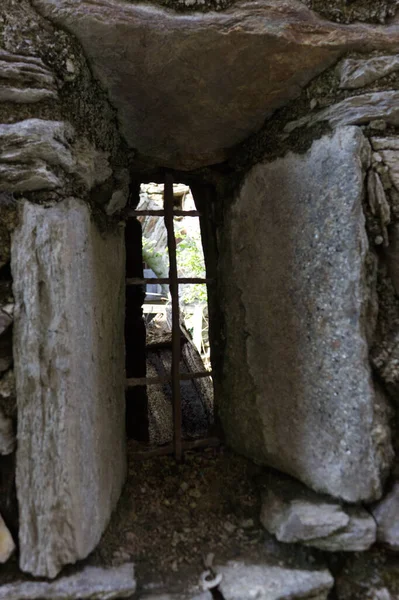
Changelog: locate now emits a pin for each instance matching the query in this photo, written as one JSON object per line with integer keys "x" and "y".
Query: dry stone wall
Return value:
{"x": 357, "y": 97}
{"x": 306, "y": 238}
{"x": 62, "y": 175}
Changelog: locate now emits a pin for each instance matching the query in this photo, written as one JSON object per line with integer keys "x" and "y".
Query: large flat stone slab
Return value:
{"x": 268, "y": 582}
{"x": 69, "y": 367}
{"x": 189, "y": 87}
{"x": 90, "y": 583}
{"x": 295, "y": 288}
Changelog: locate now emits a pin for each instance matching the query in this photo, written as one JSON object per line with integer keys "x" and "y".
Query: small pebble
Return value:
{"x": 378, "y": 125}
{"x": 195, "y": 493}
{"x": 229, "y": 527}
{"x": 208, "y": 560}
{"x": 377, "y": 157}
{"x": 247, "y": 523}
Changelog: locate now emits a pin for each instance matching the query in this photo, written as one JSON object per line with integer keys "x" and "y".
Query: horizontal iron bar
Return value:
{"x": 135, "y": 381}
{"x": 162, "y": 280}
{"x": 161, "y": 213}
{"x": 212, "y": 442}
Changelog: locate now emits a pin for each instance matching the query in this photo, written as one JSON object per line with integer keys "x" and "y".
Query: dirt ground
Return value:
{"x": 172, "y": 516}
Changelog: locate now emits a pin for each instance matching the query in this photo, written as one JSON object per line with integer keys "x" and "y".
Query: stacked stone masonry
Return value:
{"x": 307, "y": 301}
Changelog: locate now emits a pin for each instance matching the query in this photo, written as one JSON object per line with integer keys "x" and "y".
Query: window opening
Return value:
{"x": 173, "y": 207}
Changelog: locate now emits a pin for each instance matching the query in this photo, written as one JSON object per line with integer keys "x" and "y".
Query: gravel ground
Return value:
{"x": 172, "y": 516}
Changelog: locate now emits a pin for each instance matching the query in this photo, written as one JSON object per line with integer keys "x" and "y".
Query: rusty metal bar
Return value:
{"x": 135, "y": 381}
{"x": 161, "y": 213}
{"x": 174, "y": 293}
{"x": 161, "y": 280}
{"x": 212, "y": 442}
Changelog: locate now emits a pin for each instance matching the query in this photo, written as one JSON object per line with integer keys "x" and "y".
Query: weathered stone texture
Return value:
{"x": 36, "y": 154}
{"x": 388, "y": 149}
{"x": 356, "y": 110}
{"x": 293, "y": 513}
{"x": 25, "y": 79}
{"x": 296, "y": 391}
{"x": 357, "y": 73}
{"x": 90, "y": 583}
{"x": 69, "y": 365}
{"x": 235, "y": 67}
{"x": 266, "y": 582}
{"x": 386, "y": 514}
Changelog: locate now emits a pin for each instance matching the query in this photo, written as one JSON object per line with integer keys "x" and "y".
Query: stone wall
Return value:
{"x": 301, "y": 233}
{"x": 306, "y": 246}
{"x": 62, "y": 176}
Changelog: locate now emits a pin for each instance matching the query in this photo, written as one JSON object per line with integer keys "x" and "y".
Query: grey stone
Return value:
{"x": 386, "y": 514}
{"x": 378, "y": 202}
{"x": 32, "y": 151}
{"x": 187, "y": 596}
{"x": 296, "y": 391}
{"x": 359, "y": 535}
{"x": 247, "y": 581}
{"x": 388, "y": 149}
{"x": 7, "y": 436}
{"x": 7, "y": 545}
{"x": 89, "y": 583}
{"x": 293, "y": 513}
{"x": 25, "y": 79}
{"x": 69, "y": 366}
{"x": 236, "y": 66}
{"x": 357, "y": 110}
{"x": 357, "y": 72}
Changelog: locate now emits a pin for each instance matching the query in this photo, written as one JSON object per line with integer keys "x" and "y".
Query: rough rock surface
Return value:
{"x": 69, "y": 365}
{"x": 293, "y": 513}
{"x": 296, "y": 390}
{"x": 89, "y": 583}
{"x": 356, "y": 110}
{"x": 205, "y": 58}
{"x": 263, "y": 582}
{"x": 356, "y": 72}
{"x": 7, "y": 545}
{"x": 192, "y": 596}
{"x": 386, "y": 513}
{"x": 25, "y": 79}
{"x": 388, "y": 149}
{"x": 33, "y": 151}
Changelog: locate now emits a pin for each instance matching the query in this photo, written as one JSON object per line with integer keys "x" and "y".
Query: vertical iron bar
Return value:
{"x": 174, "y": 292}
